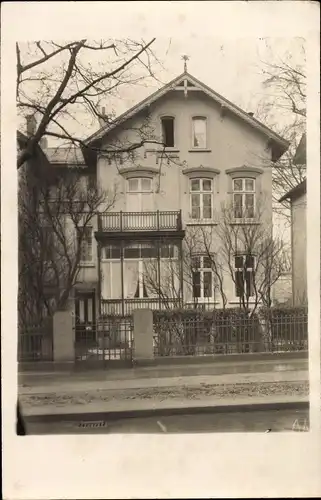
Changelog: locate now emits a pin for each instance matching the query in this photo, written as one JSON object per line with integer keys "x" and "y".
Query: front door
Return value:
{"x": 85, "y": 316}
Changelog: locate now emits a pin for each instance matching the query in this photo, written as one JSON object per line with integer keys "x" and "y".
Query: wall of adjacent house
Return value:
{"x": 230, "y": 144}
{"x": 299, "y": 252}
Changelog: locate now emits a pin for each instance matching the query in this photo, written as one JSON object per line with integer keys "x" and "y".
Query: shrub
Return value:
{"x": 191, "y": 331}
{"x": 286, "y": 327}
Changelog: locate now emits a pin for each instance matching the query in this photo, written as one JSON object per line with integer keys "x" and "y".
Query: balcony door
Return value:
{"x": 139, "y": 199}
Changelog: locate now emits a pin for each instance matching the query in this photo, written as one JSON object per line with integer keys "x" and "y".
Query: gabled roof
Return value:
{"x": 279, "y": 144}
{"x": 301, "y": 152}
{"x": 295, "y": 192}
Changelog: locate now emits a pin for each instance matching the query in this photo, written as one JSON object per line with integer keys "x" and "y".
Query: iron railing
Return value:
{"x": 204, "y": 335}
{"x": 111, "y": 338}
{"x": 140, "y": 221}
{"x": 35, "y": 343}
{"x": 121, "y": 307}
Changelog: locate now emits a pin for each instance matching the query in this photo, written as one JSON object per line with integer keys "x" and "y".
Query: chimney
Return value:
{"x": 102, "y": 114}
{"x": 250, "y": 113}
{"x": 31, "y": 125}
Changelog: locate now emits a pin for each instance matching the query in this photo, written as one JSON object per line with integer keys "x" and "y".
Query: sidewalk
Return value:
{"x": 164, "y": 388}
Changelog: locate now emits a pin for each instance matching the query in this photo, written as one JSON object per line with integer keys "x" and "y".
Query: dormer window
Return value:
{"x": 199, "y": 124}
{"x": 168, "y": 131}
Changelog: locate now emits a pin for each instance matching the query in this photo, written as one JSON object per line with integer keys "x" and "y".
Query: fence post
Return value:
{"x": 143, "y": 336}
{"x": 63, "y": 337}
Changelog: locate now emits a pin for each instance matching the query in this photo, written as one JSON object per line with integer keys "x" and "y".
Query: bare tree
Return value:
{"x": 55, "y": 212}
{"x": 251, "y": 256}
{"x": 283, "y": 107}
{"x": 58, "y": 83}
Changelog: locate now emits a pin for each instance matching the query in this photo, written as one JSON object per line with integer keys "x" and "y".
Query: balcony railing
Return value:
{"x": 116, "y": 306}
{"x": 140, "y": 221}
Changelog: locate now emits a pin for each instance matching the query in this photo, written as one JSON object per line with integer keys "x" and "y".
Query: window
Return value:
{"x": 168, "y": 131}
{"x": 244, "y": 198}
{"x": 86, "y": 246}
{"x": 244, "y": 268}
{"x": 111, "y": 252}
{"x": 91, "y": 181}
{"x": 199, "y": 132}
{"x": 203, "y": 282}
{"x": 140, "y": 185}
{"x": 201, "y": 192}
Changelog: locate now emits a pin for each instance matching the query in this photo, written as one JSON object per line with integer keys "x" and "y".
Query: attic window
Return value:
{"x": 168, "y": 131}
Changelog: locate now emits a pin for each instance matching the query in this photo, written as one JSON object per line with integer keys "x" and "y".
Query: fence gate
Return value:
{"x": 110, "y": 342}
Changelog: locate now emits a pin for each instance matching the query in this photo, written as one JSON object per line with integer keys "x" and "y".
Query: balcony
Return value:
{"x": 126, "y": 307}
{"x": 161, "y": 223}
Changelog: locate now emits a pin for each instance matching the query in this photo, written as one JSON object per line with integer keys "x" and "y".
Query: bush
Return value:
{"x": 193, "y": 331}
{"x": 287, "y": 327}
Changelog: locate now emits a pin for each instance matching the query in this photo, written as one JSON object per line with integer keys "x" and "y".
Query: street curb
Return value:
{"x": 163, "y": 412}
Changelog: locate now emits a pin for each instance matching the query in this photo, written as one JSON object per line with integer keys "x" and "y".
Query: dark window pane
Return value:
{"x": 196, "y": 262}
{"x": 239, "y": 262}
{"x": 207, "y": 263}
{"x": 249, "y": 283}
{"x": 131, "y": 253}
{"x": 239, "y": 284}
{"x": 168, "y": 131}
{"x": 196, "y": 284}
{"x": 149, "y": 253}
{"x": 137, "y": 291}
{"x": 238, "y": 206}
{"x": 249, "y": 261}
{"x": 207, "y": 277}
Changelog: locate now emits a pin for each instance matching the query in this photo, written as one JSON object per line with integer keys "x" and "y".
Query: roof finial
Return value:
{"x": 185, "y": 59}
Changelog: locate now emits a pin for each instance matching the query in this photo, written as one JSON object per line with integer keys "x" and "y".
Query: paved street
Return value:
{"x": 252, "y": 421}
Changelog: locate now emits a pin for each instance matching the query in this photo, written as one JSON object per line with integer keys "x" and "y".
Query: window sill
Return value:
{"x": 203, "y": 302}
{"x": 244, "y": 221}
{"x": 251, "y": 302}
{"x": 87, "y": 264}
{"x": 199, "y": 150}
{"x": 209, "y": 222}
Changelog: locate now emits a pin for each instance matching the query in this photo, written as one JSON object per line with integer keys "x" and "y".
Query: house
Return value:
{"x": 298, "y": 204}
{"x": 186, "y": 150}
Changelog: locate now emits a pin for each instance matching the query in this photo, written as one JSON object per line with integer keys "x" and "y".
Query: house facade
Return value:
{"x": 297, "y": 198}
{"x": 195, "y": 153}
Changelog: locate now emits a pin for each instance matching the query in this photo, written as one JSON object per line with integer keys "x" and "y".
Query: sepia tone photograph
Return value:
{"x": 162, "y": 236}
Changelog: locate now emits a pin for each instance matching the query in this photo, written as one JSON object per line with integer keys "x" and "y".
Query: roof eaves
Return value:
{"x": 294, "y": 192}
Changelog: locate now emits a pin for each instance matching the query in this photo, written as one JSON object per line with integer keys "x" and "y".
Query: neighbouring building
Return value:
{"x": 297, "y": 198}
{"x": 214, "y": 154}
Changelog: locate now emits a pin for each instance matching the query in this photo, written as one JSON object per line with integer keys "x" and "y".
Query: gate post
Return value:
{"x": 63, "y": 338}
{"x": 143, "y": 336}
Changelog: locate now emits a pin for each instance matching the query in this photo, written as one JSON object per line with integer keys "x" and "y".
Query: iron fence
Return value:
{"x": 111, "y": 338}
{"x": 209, "y": 335}
{"x": 35, "y": 343}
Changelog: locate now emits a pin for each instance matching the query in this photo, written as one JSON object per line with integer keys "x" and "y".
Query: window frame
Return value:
{"x": 162, "y": 119}
{"x": 244, "y": 271}
{"x": 201, "y": 192}
{"x": 139, "y": 190}
{"x": 243, "y": 193}
{"x": 204, "y": 120}
{"x": 202, "y": 270}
